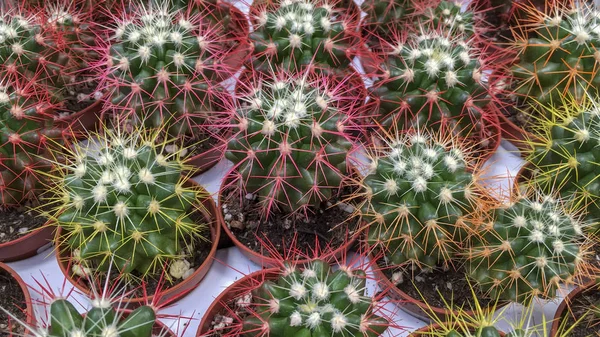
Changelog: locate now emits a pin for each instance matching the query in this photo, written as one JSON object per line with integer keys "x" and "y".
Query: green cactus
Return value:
{"x": 127, "y": 205}
{"x": 26, "y": 128}
{"x": 161, "y": 64}
{"x": 557, "y": 54}
{"x": 293, "y": 143}
{"x": 461, "y": 331}
{"x": 449, "y": 16}
{"x": 527, "y": 249}
{"x": 302, "y": 33}
{"x": 419, "y": 196}
{"x": 434, "y": 80}
{"x": 384, "y": 19}
{"x": 315, "y": 301}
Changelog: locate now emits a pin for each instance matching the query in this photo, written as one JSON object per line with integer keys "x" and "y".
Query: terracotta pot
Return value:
{"x": 29, "y": 313}
{"x": 169, "y": 294}
{"x": 84, "y": 120}
{"x": 206, "y": 160}
{"x": 264, "y": 260}
{"x": 238, "y": 55}
{"x": 28, "y": 245}
{"x": 563, "y": 308}
{"x": 413, "y": 306}
{"x": 237, "y": 289}
{"x": 426, "y": 331}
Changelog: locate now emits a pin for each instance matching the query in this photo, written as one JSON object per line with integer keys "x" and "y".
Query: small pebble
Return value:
{"x": 188, "y": 273}
{"x": 346, "y": 207}
{"x": 287, "y": 224}
{"x": 3, "y": 326}
{"x": 449, "y": 285}
{"x": 237, "y": 224}
{"x": 11, "y": 230}
{"x": 249, "y": 196}
{"x": 228, "y": 217}
{"x": 23, "y": 230}
{"x": 419, "y": 279}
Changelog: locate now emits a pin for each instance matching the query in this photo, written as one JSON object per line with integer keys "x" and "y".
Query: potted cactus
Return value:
{"x": 421, "y": 197}
{"x": 17, "y": 299}
{"x": 314, "y": 299}
{"x": 124, "y": 208}
{"x": 162, "y": 68}
{"x": 291, "y": 156}
{"x": 579, "y": 313}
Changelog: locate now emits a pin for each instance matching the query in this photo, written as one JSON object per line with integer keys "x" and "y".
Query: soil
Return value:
{"x": 13, "y": 301}
{"x": 435, "y": 286}
{"x": 590, "y": 326}
{"x": 17, "y": 222}
{"x": 246, "y": 223}
{"x": 79, "y": 96}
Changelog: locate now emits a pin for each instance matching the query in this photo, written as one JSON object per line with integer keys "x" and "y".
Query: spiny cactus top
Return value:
{"x": 314, "y": 301}
{"x": 299, "y": 33}
{"x": 26, "y": 128}
{"x": 419, "y": 195}
{"x": 101, "y": 320}
{"x": 433, "y": 80}
{"x": 384, "y": 18}
{"x": 159, "y": 66}
{"x": 448, "y": 15}
{"x": 127, "y": 205}
{"x": 293, "y": 142}
{"x": 557, "y": 54}
{"x": 565, "y": 154}
{"x": 463, "y": 331}
{"x": 528, "y": 249}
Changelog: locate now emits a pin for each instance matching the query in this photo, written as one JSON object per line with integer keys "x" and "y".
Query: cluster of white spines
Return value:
{"x": 313, "y": 304}
{"x": 583, "y": 19}
{"x": 11, "y": 28}
{"x": 452, "y": 21}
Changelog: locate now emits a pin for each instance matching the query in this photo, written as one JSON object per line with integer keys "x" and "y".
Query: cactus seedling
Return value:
{"x": 126, "y": 204}
{"x": 527, "y": 249}
{"x": 293, "y": 144}
{"x": 301, "y": 33}
{"x": 419, "y": 196}
{"x": 314, "y": 301}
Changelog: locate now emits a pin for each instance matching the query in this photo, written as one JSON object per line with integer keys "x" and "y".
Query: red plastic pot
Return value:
{"x": 204, "y": 161}
{"x": 212, "y": 215}
{"x": 237, "y": 56}
{"x": 29, "y": 313}
{"x": 265, "y": 260}
{"x": 84, "y": 120}
{"x": 563, "y": 308}
{"x": 429, "y": 331}
{"x": 28, "y": 245}
{"x": 236, "y": 290}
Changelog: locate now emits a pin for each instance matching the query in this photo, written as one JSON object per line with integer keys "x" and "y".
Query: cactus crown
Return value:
{"x": 160, "y": 63}
{"x": 527, "y": 249}
{"x": 314, "y": 301}
{"x": 557, "y": 54}
{"x": 123, "y": 202}
{"x": 26, "y": 126}
{"x": 564, "y": 152}
{"x": 293, "y": 144}
{"x": 449, "y": 16}
{"x": 419, "y": 195}
{"x": 300, "y": 33}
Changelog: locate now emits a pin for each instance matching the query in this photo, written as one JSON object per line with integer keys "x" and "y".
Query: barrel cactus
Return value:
{"x": 314, "y": 301}
{"x": 527, "y": 249}
{"x": 292, "y": 147}
{"x": 384, "y": 19}
{"x": 435, "y": 80}
{"x": 419, "y": 198}
{"x": 126, "y": 205}
{"x": 556, "y": 54}
{"x": 160, "y": 68}
{"x": 301, "y": 33}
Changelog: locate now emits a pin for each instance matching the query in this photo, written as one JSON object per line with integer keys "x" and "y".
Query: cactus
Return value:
{"x": 314, "y": 301}
{"x": 160, "y": 64}
{"x": 127, "y": 205}
{"x": 556, "y": 54}
{"x": 293, "y": 144}
{"x": 434, "y": 80}
{"x": 527, "y": 249}
{"x": 26, "y": 129}
{"x": 384, "y": 18}
{"x": 419, "y": 196}
{"x": 300, "y": 33}
{"x": 448, "y": 15}
{"x": 563, "y": 149}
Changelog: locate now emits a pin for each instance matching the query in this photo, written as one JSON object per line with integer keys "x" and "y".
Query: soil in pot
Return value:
{"x": 438, "y": 285}
{"x": 244, "y": 217}
{"x": 579, "y": 306}
{"x": 18, "y": 222}
{"x": 79, "y": 96}
{"x": 12, "y": 300}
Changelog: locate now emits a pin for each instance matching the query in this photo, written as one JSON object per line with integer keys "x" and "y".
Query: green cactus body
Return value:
{"x": 466, "y": 331}
{"x": 128, "y": 205}
{"x": 419, "y": 196}
{"x": 315, "y": 301}
{"x": 160, "y": 67}
{"x": 302, "y": 33}
{"x": 557, "y": 56}
{"x": 292, "y": 147}
{"x": 528, "y": 249}
{"x": 449, "y": 16}
{"x": 26, "y": 128}
{"x": 384, "y": 19}
{"x": 433, "y": 81}
{"x": 66, "y": 321}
